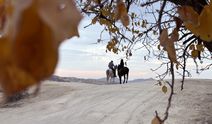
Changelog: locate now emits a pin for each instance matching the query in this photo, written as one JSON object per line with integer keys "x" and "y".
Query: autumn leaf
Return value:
{"x": 30, "y": 42}
{"x": 120, "y": 10}
{"x": 155, "y": 120}
{"x": 200, "y": 47}
{"x": 205, "y": 27}
{"x": 2, "y": 14}
{"x": 168, "y": 45}
{"x": 171, "y": 51}
{"x": 164, "y": 89}
{"x": 62, "y": 16}
{"x": 188, "y": 15}
{"x": 194, "y": 53}
{"x": 15, "y": 79}
{"x": 199, "y": 25}
{"x": 175, "y": 35}
{"x": 144, "y": 23}
{"x": 178, "y": 22}
{"x": 163, "y": 37}
{"x": 121, "y": 13}
{"x": 94, "y": 20}
{"x": 125, "y": 20}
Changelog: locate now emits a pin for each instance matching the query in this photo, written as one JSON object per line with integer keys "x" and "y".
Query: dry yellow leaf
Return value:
{"x": 121, "y": 13}
{"x": 62, "y": 16}
{"x": 194, "y": 53}
{"x": 125, "y": 20}
{"x": 144, "y": 23}
{"x": 171, "y": 51}
{"x": 203, "y": 27}
{"x": 94, "y": 20}
{"x": 3, "y": 12}
{"x": 30, "y": 42}
{"x": 155, "y": 120}
{"x": 164, "y": 37}
{"x": 164, "y": 89}
{"x": 1, "y": 1}
{"x": 174, "y": 35}
{"x": 120, "y": 10}
{"x": 178, "y": 22}
{"x": 168, "y": 45}
{"x": 200, "y": 47}
{"x": 5, "y": 50}
{"x": 14, "y": 79}
{"x": 105, "y": 12}
{"x": 188, "y": 15}
{"x": 35, "y": 51}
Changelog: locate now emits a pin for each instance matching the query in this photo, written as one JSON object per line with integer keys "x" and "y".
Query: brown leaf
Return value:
{"x": 94, "y": 20}
{"x": 14, "y": 79}
{"x": 204, "y": 30}
{"x": 178, "y": 22}
{"x": 174, "y": 35}
{"x": 121, "y": 13}
{"x": 199, "y": 25}
{"x": 120, "y": 10}
{"x": 164, "y": 89}
{"x": 194, "y": 53}
{"x": 164, "y": 37}
{"x": 62, "y": 16}
{"x": 188, "y": 14}
{"x": 2, "y": 14}
{"x": 29, "y": 46}
{"x": 200, "y": 47}
{"x": 125, "y": 20}
{"x": 171, "y": 51}
{"x": 155, "y": 120}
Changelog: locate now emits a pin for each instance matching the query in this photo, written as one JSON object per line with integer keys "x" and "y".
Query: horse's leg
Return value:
{"x": 127, "y": 78}
{"x": 120, "y": 79}
{"x": 124, "y": 79}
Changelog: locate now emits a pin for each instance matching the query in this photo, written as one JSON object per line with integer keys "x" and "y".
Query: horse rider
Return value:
{"x": 112, "y": 66}
{"x": 121, "y": 65}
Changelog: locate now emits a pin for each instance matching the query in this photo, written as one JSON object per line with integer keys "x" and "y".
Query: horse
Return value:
{"x": 110, "y": 75}
{"x": 123, "y": 72}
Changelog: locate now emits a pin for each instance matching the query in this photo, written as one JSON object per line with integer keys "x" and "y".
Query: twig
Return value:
{"x": 184, "y": 63}
{"x": 160, "y": 16}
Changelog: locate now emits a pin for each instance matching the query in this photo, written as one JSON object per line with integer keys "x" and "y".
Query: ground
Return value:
{"x": 132, "y": 103}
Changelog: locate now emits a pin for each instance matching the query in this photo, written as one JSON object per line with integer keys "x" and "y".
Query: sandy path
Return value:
{"x": 135, "y": 103}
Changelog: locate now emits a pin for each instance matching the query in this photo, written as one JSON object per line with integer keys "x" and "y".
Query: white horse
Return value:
{"x": 110, "y": 75}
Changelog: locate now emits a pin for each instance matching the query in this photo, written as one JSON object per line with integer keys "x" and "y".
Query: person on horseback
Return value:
{"x": 123, "y": 71}
{"x": 121, "y": 65}
{"x": 112, "y": 66}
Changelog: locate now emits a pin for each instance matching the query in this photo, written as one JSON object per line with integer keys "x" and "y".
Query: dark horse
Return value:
{"x": 123, "y": 72}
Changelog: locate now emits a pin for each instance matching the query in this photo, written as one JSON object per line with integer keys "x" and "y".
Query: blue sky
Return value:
{"x": 81, "y": 57}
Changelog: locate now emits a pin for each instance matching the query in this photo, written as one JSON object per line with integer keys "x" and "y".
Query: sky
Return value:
{"x": 81, "y": 57}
